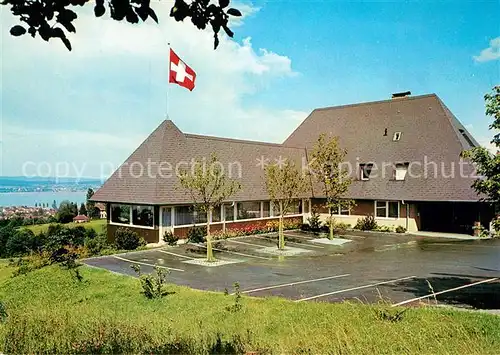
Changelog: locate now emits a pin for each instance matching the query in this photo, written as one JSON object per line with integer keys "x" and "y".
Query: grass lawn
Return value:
{"x": 51, "y": 312}
{"x": 97, "y": 224}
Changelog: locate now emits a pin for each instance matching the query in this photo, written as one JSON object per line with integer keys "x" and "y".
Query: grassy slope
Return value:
{"x": 49, "y": 311}
{"x": 97, "y": 224}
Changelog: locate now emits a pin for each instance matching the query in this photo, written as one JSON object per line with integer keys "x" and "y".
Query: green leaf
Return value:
{"x": 17, "y": 30}
{"x": 234, "y": 12}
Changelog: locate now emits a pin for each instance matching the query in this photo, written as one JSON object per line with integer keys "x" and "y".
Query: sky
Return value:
{"x": 82, "y": 113}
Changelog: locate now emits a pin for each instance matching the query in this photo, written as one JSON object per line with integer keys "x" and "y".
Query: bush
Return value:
{"x": 305, "y": 227}
{"x": 314, "y": 221}
{"x": 127, "y": 239}
{"x": 152, "y": 284}
{"x": 170, "y": 238}
{"x": 196, "y": 234}
{"x": 22, "y": 242}
{"x": 97, "y": 244}
{"x": 341, "y": 227}
{"x": 367, "y": 223}
{"x": 386, "y": 229}
{"x": 400, "y": 229}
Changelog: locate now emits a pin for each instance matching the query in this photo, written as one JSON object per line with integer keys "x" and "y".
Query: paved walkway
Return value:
{"x": 446, "y": 235}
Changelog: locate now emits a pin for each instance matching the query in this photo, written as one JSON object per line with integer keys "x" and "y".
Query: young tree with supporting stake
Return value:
{"x": 285, "y": 184}
{"x": 208, "y": 187}
{"x": 326, "y": 167}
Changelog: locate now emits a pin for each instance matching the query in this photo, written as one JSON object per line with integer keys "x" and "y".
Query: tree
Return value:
{"x": 39, "y": 16}
{"x": 326, "y": 167}
{"x": 83, "y": 210}
{"x": 208, "y": 187}
{"x": 67, "y": 210}
{"x": 487, "y": 164}
{"x": 90, "y": 205}
{"x": 54, "y": 205}
{"x": 284, "y": 185}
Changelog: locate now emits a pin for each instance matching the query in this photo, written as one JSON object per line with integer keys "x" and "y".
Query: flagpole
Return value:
{"x": 168, "y": 82}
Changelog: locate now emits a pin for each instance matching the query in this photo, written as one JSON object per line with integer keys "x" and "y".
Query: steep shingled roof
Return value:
{"x": 168, "y": 145}
{"x": 428, "y": 131}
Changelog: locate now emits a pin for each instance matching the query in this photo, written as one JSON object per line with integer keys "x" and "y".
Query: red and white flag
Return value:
{"x": 180, "y": 73}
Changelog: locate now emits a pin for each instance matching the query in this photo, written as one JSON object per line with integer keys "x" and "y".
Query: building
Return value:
{"x": 81, "y": 219}
{"x": 101, "y": 208}
{"x": 403, "y": 156}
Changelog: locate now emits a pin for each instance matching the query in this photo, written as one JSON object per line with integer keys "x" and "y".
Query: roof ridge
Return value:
{"x": 376, "y": 102}
{"x": 201, "y": 136}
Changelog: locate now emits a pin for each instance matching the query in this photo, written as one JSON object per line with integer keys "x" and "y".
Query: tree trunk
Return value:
{"x": 210, "y": 254}
{"x": 281, "y": 236}
{"x": 331, "y": 224}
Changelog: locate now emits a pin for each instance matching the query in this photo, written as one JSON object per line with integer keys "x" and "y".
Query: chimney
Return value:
{"x": 400, "y": 95}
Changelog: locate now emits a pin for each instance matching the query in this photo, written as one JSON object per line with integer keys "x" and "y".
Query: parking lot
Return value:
{"x": 367, "y": 267}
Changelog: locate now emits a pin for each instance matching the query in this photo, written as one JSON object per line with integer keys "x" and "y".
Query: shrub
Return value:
{"x": 5, "y": 234}
{"x": 152, "y": 284}
{"x": 196, "y": 234}
{"x": 170, "y": 238}
{"x": 400, "y": 229}
{"x": 367, "y": 223}
{"x": 3, "y": 313}
{"x": 386, "y": 229}
{"x": 496, "y": 226}
{"x": 314, "y": 221}
{"x": 305, "y": 227}
{"x": 127, "y": 239}
{"x": 97, "y": 244}
{"x": 341, "y": 227}
{"x": 22, "y": 242}
{"x": 29, "y": 263}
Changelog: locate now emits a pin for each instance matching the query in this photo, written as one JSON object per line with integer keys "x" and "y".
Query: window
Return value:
{"x": 266, "y": 209}
{"x": 200, "y": 217}
{"x": 397, "y": 136}
{"x": 295, "y": 207}
{"x": 166, "y": 216}
{"x": 229, "y": 212}
{"x": 365, "y": 170}
{"x": 216, "y": 217}
{"x": 341, "y": 211}
{"x": 142, "y": 216}
{"x": 248, "y": 210}
{"x": 306, "y": 206}
{"x": 120, "y": 214}
{"x": 387, "y": 209}
{"x": 183, "y": 215}
{"x": 400, "y": 171}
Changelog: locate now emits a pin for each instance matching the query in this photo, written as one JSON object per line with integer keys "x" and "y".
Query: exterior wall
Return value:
{"x": 365, "y": 208}
{"x": 181, "y": 232}
{"x": 150, "y": 235}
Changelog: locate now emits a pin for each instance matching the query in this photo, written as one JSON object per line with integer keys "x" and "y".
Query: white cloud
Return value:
{"x": 110, "y": 89}
{"x": 490, "y": 53}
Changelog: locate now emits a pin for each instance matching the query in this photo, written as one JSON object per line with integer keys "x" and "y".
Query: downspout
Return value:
{"x": 407, "y": 209}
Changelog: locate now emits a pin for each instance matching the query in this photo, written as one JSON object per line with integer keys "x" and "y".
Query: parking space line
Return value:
{"x": 244, "y": 243}
{"x": 295, "y": 283}
{"x": 297, "y": 236}
{"x": 141, "y": 263}
{"x": 174, "y": 254}
{"x": 445, "y": 291}
{"x": 287, "y": 241}
{"x": 234, "y": 252}
{"x": 354, "y": 288}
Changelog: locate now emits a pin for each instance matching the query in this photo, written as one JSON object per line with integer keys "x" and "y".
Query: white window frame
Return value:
{"x": 397, "y": 136}
{"x": 362, "y": 171}
{"x": 130, "y": 224}
{"x": 405, "y": 167}
{"x": 339, "y": 210}
{"x": 379, "y": 205}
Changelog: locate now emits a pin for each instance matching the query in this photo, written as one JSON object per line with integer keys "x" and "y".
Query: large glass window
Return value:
{"x": 142, "y": 216}
{"x": 248, "y": 210}
{"x": 183, "y": 215}
{"x": 266, "y": 209}
{"x": 229, "y": 212}
{"x": 216, "y": 217}
{"x": 200, "y": 217}
{"x": 295, "y": 207}
{"x": 387, "y": 209}
{"x": 120, "y": 213}
{"x": 306, "y": 206}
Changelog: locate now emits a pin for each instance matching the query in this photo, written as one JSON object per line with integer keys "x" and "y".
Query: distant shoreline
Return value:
{"x": 23, "y": 198}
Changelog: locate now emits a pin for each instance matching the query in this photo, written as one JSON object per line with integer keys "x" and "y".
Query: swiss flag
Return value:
{"x": 180, "y": 73}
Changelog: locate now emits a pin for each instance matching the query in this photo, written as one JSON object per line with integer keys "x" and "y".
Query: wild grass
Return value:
{"x": 96, "y": 224}
{"x": 49, "y": 311}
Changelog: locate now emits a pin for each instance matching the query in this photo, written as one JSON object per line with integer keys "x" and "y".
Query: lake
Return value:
{"x": 30, "y": 198}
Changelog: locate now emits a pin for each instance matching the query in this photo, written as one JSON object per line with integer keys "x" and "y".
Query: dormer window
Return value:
{"x": 400, "y": 171}
{"x": 365, "y": 170}
{"x": 396, "y": 137}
